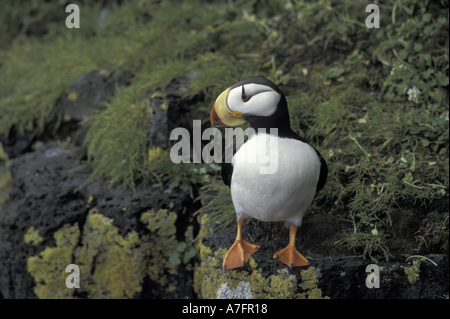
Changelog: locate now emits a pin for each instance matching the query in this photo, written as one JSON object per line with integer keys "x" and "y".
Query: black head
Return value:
{"x": 256, "y": 100}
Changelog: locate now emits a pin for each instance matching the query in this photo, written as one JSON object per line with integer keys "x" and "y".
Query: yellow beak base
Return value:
{"x": 221, "y": 115}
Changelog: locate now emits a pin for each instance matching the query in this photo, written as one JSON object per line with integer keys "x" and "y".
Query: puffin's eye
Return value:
{"x": 244, "y": 96}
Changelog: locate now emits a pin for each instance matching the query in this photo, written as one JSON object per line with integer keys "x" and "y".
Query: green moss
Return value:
{"x": 5, "y": 176}
{"x": 117, "y": 137}
{"x": 434, "y": 232}
{"x": 350, "y": 95}
{"x": 117, "y": 140}
{"x": 217, "y": 204}
{"x": 29, "y": 104}
{"x": 371, "y": 245}
{"x": 378, "y": 152}
{"x": 185, "y": 250}
{"x": 183, "y": 176}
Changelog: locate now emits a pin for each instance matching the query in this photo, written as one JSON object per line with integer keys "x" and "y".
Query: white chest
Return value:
{"x": 274, "y": 179}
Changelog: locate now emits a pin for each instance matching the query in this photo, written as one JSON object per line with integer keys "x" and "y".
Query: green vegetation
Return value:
{"x": 185, "y": 250}
{"x": 5, "y": 176}
{"x": 373, "y": 101}
{"x": 217, "y": 203}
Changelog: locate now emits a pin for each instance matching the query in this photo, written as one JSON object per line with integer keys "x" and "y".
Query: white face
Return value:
{"x": 255, "y": 99}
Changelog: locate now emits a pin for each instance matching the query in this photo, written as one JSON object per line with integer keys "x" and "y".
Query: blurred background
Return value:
{"x": 86, "y": 114}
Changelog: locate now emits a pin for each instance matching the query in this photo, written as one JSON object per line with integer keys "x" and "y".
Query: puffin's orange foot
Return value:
{"x": 291, "y": 257}
{"x": 239, "y": 254}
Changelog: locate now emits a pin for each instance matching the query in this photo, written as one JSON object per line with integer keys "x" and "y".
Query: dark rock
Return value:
{"x": 90, "y": 91}
{"x": 345, "y": 277}
{"x": 14, "y": 145}
{"x": 169, "y": 109}
{"x": 46, "y": 194}
{"x": 341, "y": 277}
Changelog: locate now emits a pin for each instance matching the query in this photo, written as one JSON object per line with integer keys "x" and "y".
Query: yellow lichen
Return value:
{"x": 164, "y": 105}
{"x": 310, "y": 280}
{"x": 154, "y": 153}
{"x": 413, "y": 272}
{"x": 158, "y": 94}
{"x": 111, "y": 266}
{"x": 162, "y": 243}
{"x": 105, "y": 73}
{"x": 48, "y": 268}
{"x": 316, "y": 293}
{"x": 32, "y": 236}
{"x": 283, "y": 285}
{"x": 72, "y": 96}
{"x": 209, "y": 277}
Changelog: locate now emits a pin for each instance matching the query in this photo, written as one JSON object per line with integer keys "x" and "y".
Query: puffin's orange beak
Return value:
{"x": 221, "y": 115}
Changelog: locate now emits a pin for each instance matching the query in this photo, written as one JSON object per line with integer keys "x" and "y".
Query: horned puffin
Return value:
{"x": 282, "y": 195}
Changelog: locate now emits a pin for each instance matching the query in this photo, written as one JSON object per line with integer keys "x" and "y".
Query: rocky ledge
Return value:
{"x": 125, "y": 243}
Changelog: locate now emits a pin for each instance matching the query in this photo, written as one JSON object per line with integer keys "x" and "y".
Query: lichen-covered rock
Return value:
{"x": 334, "y": 277}
{"x": 280, "y": 283}
{"x": 32, "y": 236}
{"x": 161, "y": 245}
{"x": 242, "y": 291}
{"x": 111, "y": 265}
{"x": 48, "y": 268}
{"x": 219, "y": 283}
{"x": 121, "y": 240}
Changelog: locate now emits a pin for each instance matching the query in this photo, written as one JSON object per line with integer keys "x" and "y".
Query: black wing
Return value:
{"x": 323, "y": 173}
{"x": 227, "y": 172}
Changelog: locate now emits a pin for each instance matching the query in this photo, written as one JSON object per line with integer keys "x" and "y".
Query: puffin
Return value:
{"x": 281, "y": 195}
